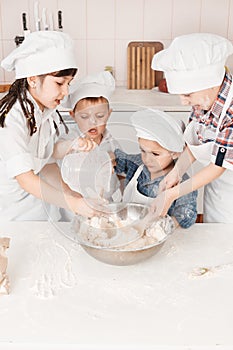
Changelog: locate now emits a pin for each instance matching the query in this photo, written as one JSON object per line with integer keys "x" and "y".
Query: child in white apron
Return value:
{"x": 88, "y": 102}
{"x": 194, "y": 67}
{"x": 44, "y": 65}
{"x": 161, "y": 140}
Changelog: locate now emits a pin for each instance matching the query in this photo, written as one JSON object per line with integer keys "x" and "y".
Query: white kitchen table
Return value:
{"x": 124, "y": 99}
{"x": 62, "y": 298}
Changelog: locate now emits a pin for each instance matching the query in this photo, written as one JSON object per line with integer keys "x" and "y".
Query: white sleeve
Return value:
{"x": 14, "y": 151}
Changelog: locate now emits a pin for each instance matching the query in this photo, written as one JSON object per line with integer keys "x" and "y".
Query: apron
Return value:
{"x": 131, "y": 194}
{"x": 218, "y": 195}
{"x": 15, "y": 203}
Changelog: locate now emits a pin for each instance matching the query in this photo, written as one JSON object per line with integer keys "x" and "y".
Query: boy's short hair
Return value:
{"x": 94, "y": 100}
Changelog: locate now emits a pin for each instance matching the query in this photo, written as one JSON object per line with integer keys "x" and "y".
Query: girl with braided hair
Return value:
{"x": 30, "y": 183}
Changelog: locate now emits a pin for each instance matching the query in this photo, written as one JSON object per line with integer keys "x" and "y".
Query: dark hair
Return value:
{"x": 18, "y": 91}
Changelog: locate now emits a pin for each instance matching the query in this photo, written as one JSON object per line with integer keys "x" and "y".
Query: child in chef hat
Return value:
{"x": 161, "y": 141}
{"x": 194, "y": 68}
{"x": 89, "y": 107}
{"x": 88, "y": 102}
{"x": 44, "y": 65}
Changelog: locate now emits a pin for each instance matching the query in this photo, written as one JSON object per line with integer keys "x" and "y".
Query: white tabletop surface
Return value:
{"x": 124, "y": 99}
{"x": 61, "y": 298}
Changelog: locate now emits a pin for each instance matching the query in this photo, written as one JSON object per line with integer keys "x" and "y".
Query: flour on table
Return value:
{"x": 198, "y": 272}
{"x": 52, "y": 268}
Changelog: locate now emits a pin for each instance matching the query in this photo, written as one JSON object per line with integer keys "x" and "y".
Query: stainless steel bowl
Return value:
{"x": 122, "y": 255}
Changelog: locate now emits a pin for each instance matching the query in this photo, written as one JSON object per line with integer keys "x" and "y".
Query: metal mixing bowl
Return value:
{"x": 121, "y": 255}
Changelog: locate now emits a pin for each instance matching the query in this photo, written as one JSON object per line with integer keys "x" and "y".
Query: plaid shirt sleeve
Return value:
{"x": 222, "y": 149}
{"x": 222, "y": 152}
{"x": 127, "y": 164}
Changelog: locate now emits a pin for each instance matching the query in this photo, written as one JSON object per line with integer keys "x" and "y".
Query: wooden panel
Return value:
{"x": 199, "y": 219}
{"x": 4, "y": 88}
{"x": 139, "y": 72}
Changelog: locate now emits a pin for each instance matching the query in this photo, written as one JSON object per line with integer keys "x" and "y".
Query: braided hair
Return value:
{"x": 18, "y": 91}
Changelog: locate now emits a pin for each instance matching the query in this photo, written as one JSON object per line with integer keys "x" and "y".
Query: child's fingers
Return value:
{"x": 113, "y": 159}
{"x": 169, "y": 181}
{"x": 160, "y": 205}
{"x": 85, "y": 144}
{"x": 162, "y": 186}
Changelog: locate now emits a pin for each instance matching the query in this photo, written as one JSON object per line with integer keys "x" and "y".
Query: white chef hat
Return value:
{"x": 96, "y": 85}
{"x": 193, "y": 62}
{"x": 41, "y": 52}
{"x": 156, "y": 125}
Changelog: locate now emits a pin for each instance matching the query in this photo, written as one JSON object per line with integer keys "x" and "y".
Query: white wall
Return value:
{"x": 102, "y": 29}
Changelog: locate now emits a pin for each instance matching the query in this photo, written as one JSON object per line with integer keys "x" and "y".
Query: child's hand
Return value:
{"x": 165, "y": 223}
{"x": 113, "y": 159}
{"x": 83, "y": 144}
{"x": 170, "y": 180}
{"x": 161, "y": 204}
{"x": 84, "y": 207}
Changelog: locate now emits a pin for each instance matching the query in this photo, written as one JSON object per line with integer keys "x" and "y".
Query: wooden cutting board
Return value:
{"x": 4, "y": 87}
{"x": 139, "y": 72}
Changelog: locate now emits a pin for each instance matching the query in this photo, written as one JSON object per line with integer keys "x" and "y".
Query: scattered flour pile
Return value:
{"x": 115, "y": 233}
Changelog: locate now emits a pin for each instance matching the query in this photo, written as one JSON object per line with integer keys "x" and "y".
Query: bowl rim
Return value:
{"x": 122, "y": 204}
{"x": 120, "y": 250}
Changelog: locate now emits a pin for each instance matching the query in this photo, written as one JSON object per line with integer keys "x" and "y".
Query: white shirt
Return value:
{"x": 19, "y": 153}
{"x": 108, "y": 143}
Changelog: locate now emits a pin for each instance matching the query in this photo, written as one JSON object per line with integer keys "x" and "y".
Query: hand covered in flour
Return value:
{"x": 83, "y": 144}
{"x": 113, "y": 159}
{"x": 170, "y": 180}
{"x": 161, "y": 227}
{"x": 82, "y": 206}
{"x": 161, "y": 204}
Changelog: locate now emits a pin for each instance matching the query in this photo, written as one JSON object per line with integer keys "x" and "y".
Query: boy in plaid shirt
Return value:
{"x": 194, "y": 67}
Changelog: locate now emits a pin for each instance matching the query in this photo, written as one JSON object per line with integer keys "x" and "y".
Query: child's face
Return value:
{"x": 49, "y": 90}
{"x": 156, "y": 158}
{"x": 92, "y": 118}
{"x": 200, "y": 100}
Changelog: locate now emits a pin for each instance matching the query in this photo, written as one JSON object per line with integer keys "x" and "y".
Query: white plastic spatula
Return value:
{"x": 88, "y": 173}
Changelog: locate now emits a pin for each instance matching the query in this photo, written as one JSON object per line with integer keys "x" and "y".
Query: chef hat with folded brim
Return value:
{"x": 41, "y": 52}
{"x": 156, "y": 125}
{"x": 101, "y": 84}
{"x": 193, "y": 62}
